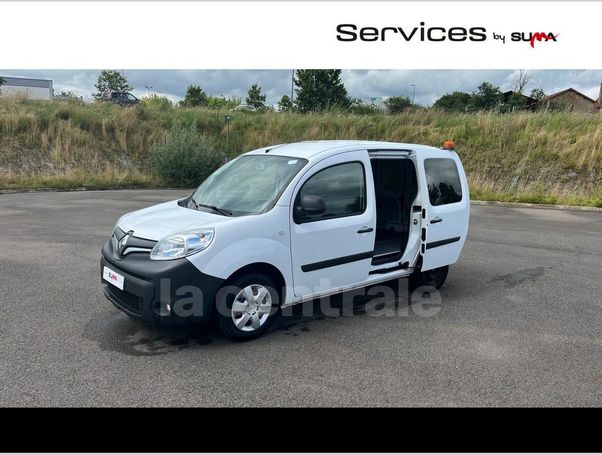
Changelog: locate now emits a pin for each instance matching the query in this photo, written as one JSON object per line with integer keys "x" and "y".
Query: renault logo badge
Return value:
{"x": 124, "y": 241}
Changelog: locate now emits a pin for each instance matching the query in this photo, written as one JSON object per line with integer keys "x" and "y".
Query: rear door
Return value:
{"x": 334, "y": 249}
{"x": 447, "y": 209}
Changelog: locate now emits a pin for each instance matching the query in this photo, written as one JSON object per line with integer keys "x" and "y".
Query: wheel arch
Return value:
{"x": 265, "y": 269}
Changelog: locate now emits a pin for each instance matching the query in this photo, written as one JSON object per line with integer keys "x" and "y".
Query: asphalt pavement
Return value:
{"x": 519, "y": 324}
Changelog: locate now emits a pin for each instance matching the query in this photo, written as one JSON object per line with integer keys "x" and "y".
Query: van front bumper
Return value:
{"x": 160, "y": 292}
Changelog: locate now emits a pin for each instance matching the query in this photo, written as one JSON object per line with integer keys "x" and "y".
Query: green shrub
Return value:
{"x": 63, "y": 114}
{"x": 364, "y": 109}
{"x": 141, "y": 113}
{"x": 217, "y": 102}
{"x": 160, "y": 103}
{"x": 398, "y": 104}
{"x": 84, "y": 119}
{"x": 187, "y": 158}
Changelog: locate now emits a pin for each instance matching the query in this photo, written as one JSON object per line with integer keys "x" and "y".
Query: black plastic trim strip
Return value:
{"x": 336, "y": 261}
{"x": 442, "y": 242}
{"x": 403, "y": 266}
{"x": 139, "y": 242}
{"x": 387, "y": 257}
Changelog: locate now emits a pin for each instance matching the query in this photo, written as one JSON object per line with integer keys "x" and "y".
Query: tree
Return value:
{"x": 397, "y": 104}
{"x": 486, "y": 97}
{"x": 520, "y": 81}
{"x": 320, "y": 89}
{"x": 456, "y": 102}
{"x": 515, "y": 102}
{"x": 111, "y": 81}
{"x": 195, "y": 96}
{"x": 255, "y": 98}
{"x": 285, "y": 104}
{"x": 538, "y": 94}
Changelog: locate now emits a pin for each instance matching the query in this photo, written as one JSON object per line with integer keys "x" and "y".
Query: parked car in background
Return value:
{"x": 121, "y": 98}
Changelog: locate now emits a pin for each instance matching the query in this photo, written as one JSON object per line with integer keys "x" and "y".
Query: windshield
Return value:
{"x": 249, "y": 184}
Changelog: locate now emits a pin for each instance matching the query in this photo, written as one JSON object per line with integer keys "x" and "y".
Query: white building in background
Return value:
{"x": 33, "y": 89}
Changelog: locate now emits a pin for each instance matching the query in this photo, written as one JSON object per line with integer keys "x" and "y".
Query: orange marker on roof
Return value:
{"x": 448, "y": 145}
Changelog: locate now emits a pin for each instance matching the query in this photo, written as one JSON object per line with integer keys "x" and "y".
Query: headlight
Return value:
{"x": 182, "y": 244}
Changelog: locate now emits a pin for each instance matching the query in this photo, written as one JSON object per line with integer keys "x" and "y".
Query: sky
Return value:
{"x": 430, "y": 84}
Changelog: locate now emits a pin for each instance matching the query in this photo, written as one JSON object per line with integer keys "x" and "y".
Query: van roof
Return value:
{"x": 309, "y": 149}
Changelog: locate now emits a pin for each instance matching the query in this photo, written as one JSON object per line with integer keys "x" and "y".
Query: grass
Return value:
{"x": 479, "y": 194}
{"x": 111, "y": 178}
{"x": 543, "y": 157}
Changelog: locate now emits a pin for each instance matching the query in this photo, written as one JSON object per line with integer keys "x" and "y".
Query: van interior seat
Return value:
{"x": 396, "y": 188}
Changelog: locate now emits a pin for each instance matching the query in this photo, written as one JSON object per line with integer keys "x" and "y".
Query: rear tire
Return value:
{"x": 434, "y": 278}
{"x": 247, "y": 306}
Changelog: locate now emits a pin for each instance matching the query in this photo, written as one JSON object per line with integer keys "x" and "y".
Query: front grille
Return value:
{"x": 132, "y": 244}
{"x": 125, "y": 299}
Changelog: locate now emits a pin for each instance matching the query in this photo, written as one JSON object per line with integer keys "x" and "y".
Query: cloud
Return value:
{"x": 430, "y": 84}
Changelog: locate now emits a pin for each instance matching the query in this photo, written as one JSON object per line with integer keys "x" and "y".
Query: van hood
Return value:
{"x": 159, "y": 221}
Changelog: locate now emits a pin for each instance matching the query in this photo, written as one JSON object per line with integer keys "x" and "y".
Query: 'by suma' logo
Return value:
{"x": 542, "y": 37}
{"x": 532, "y": 37}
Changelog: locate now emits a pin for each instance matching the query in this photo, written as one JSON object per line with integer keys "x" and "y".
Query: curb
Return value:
{"x": 526, "y": 205}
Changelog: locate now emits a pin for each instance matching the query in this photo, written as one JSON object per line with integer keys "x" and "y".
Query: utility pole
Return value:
{"x": 413, "y": 92}
{"x": 293, "y": 87}
{"x": 228, "y": 119}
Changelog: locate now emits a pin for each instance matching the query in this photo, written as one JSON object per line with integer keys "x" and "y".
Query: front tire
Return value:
{"x": 247, "y": 306}
{"x": 434, "y": 278}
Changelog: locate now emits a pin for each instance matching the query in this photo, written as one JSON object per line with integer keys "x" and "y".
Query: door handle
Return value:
{"x": 436, "y": 220}
{"x": 365, "y": 229}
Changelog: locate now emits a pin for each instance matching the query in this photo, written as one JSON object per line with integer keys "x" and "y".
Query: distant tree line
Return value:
{"x": 487, "y": 97}
{"x": 323, "y": 89}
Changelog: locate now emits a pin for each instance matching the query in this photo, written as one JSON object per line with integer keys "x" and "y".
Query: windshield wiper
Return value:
{"x": 214, "y": 208}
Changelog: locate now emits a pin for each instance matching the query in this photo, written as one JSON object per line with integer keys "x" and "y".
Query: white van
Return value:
{"x": 289, "y": 223}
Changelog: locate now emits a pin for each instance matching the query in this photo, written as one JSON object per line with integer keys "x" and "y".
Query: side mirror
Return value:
{"x": 312, "y": 205}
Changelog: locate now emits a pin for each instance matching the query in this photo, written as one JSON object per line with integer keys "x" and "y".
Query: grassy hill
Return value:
{"x": 546, "y": 157}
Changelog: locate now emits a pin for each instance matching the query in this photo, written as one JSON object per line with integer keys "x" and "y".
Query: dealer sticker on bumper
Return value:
{"x": 114, "y": 278}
